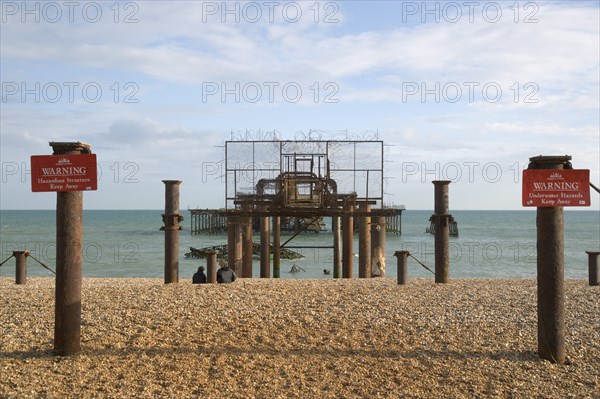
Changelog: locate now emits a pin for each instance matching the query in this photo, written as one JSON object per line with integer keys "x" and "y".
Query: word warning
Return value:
{"x": 556, "y": 187}
{"x": 73, "y": 172}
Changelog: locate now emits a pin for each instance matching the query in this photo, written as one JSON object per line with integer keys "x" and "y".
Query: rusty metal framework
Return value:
{"x": 274, "y": 180}
{"x": 303, "y": 175}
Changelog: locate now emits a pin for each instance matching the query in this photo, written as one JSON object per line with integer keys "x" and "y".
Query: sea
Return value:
{"x": 129, "y": 243}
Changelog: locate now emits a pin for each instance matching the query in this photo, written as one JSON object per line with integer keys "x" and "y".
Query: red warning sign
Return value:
{"x": 556, "y": 187}
{"x": 74, "y": 172}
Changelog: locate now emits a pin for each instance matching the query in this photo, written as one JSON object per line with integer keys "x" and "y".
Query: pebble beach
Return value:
{"x": 356, "y": 338}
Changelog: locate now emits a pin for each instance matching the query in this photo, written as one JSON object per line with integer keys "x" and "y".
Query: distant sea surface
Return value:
{"x": 491, "y": 244}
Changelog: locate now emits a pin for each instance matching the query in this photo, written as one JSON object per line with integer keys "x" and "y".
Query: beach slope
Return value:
{"x": 297, "y": 339}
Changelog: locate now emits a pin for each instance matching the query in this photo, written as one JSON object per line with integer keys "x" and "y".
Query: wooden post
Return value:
{"x": 364, "y": 242}
{"x": 276, "y": 246}
{"x": 550, "y": 271}
{"x": 402, "y": 266}
{"x": 348, "y": 240}
{"x": 69, "y": 215}
{"x": 21, "y": 266}
{"x": 337, "y": 264}
{"x": 171, "y": 219}
{"x": 211, "y": 266}
{"x": 594, "y": 267}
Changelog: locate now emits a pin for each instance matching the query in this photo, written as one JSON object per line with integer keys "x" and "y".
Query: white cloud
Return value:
{"x": 171, "y": 51}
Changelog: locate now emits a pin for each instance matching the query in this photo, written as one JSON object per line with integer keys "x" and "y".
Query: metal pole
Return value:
{"x": 171, "y": 219}
{"x": 347, "y": 240}
{"x": 402, "y": 266}
{"x": 21, "y": 266}
{"x": 337, "y": 264}
{"x": 378, "y": 241}
{"x": 265, "y": 250}
{"x": 441, "y": 218}
{"x": 276, "y": 246}
{"x": 69, "y": 215}
{"x": 550, "y": 271}
{"x": 239, "y": 233}
{"x": 247, "y": 245}
{"x": 211, "y": 266}
{"x": 364, "y": 242}
{"x": 231, "y": 247}
{"x": 441, "y": 205}
{"x": 594, "y": 267}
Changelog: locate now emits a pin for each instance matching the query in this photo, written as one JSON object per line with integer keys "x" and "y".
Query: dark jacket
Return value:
{"x": 199, "y": 278}
{"x": 225, "y": 275}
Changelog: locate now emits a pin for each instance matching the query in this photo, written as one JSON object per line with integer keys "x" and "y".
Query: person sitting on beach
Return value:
{"x": 199, "y": 277}
{"x": 225, "y": 274}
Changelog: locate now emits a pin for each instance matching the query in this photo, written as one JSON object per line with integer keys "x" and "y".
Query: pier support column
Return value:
{"x": 211, "y": 266}
{"x": 276, "y": 246}
{"x": 337, "y": 258}
{"x": 550, "y": 271}
{"x": 441, "y": 245}
{"x": 69, "y": 226}
{"x": 441, "y": 219}
{"x": 347, "y": 241}
{"x": 21, "y": 266}
{"x": 171, "y": 219}
{"x": 378, "y": 242}
{"x": 594, "y": 267}
{"x": 265, "y": 247}
{"x": 231, "y": 245}
{"x": 239, "y": 234}
{"x": 247, "y": 243}
{"x": 402, "y": 266}
{"x": 364, "y": 241}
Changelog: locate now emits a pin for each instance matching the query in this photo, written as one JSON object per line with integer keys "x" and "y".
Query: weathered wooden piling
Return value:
{"x": 211, "y": 266}
{"x": 265, "y": 247}
{"x": 171, "y": 219}
{"x": 402, "y": 266}
{"x": 21, "y": 266}
{"x": 347, "y": 240}
{"x": 276, "y": 246}
{"x": 69, "y": 215}
{"x": 593, "y": 267}
{"x": 364, "y": 241}
{"x": 337, "y": 258}
{"x": 550, "y": 270}
{"x": 441, "y": 219}
{"x": 378, "y": 246}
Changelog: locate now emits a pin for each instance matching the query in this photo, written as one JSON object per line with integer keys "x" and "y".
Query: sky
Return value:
{"x": 460, "y": 91}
